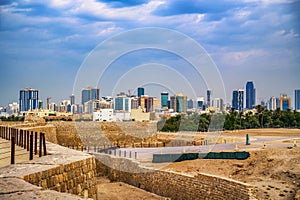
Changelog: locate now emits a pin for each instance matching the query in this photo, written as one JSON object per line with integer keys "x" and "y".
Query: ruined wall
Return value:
{"x": 64, "y": 170}
{"x": 171, "y": 184}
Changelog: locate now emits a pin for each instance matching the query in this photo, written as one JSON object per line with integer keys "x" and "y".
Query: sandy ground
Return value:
{"x": 121, "y": 191}
{"x": 274, "y": 170}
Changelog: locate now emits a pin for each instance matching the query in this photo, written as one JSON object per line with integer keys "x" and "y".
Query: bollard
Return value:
{"x": 120, "y": 153}
{"x": 129, "y": 154}
{"x": 31, "y": 147}
{"x": 135, "y": 155}
{"x": 247, "y": 139}
{"x": 12, "y": 151}
{"x": 124, "y": 154}
{"x": 27, "y": 135}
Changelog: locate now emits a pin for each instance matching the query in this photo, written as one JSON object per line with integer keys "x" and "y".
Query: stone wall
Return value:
{"x": 171, "y": 184}
{"x": 64, "y": 170}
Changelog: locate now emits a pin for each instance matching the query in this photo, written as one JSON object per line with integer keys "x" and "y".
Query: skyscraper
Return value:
{"x": 141, "y": 91}
{"x": 28, "y": 99}
{"x": 297, "y": 99}
{"x": 164, "y": 99}
{"x": 285, "y": 102}
{"x": 240, "y": 100}
{"x": 72, "y": 99}
{"x": 273, "y": 103}
{"x": 179, "y": 103}
{"x": 122, "y": 103}
{"x": 235, "y": 99}
{"x": 208, "y": 102}
{"x": 250, "y": 95}
{"x": 89, "y": 93}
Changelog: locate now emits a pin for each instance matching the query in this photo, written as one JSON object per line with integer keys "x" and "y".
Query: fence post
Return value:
{"x": 17, "y": 136}
{"x": 12, "y": 153}
{"x": 35, "y": 143}
{"x": 27, "y": 135}
{"x": 44, "y": 144}
{"x": 31, "y": 147}
{"x": 40, "y": 145}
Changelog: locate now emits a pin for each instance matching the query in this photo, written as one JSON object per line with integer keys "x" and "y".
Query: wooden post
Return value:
{"x": 12, "y": 151}
{"x": 35, "y": 143}
{"x": 40, "y": 149}
{"x": 31, "y": 147}
{"x": 27, "y": 135}
{"x": 44, "y": 144}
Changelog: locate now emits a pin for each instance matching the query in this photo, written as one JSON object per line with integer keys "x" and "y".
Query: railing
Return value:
{"x": 24, "y": 138}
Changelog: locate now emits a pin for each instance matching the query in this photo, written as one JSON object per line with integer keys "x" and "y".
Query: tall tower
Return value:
{"x": 88, "y": 94}
{"x": 28, "y": 99}
{"x": 285, "y": 102}
{"x": 240, "y": 100}
{"x": 141, "y": 91}
{"x": 297, "y": 100}
{"x": 72, "y": 99}
{"x": 208, "y": 102}
{"x": 250, "y": 95}
{"x": 179, "y": 103}
{"x": 235, "y": 99}
{"x": 164, "y": 99}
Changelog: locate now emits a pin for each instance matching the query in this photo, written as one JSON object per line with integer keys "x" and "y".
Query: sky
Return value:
{"x": 45, "y": 44}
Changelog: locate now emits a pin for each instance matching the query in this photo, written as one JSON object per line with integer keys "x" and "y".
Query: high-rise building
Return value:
{"x": 235, "y": 99}
{"x": 190, "y": 104}
{"x": 208, "y": 96}
{"x": 179, "y": 103}
{"x": 72, "y": 99}
{"x": 28, "y": 99}
{"x": 89, "y": 93}
{"x": 297, "y": 99}
{"x": 200, "y": 102}
{"x": 141, "y": 91}
{"x": 250, "y": 95}
{"x": 273, "y": 103}
{"x": 146, "y": 103}
{"x": 122, "y": 103}
{"x": 218, "y": 104}
{"x": 284, "y": 102}
{"x": 240, "y": 100}
{"x": 164, "y": 99}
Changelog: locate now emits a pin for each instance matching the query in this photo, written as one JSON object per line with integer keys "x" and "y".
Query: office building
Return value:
{"x": 28, "y": 99}
{"x": 297, "y": 100}
{"x": 284, "y": 102}
{"x": 200, "y": 103}
{"x": 238, "y": 99}
{"x": 72, "y": 99}
{"x": 273, "y": 103}
{"x": 190, "y": 104}
{"x": 146, "y": 103}
{"x": 88, "y": 94}
{"x": 141, "y": 91}
{"x": 250, "y": 95}
{"x": 122, "y": 103}
{"x": 164, "y": 99}
{"x": 178, "y": 103}
{"x": 218, "y": 104}
{"x": 208, "y": 96}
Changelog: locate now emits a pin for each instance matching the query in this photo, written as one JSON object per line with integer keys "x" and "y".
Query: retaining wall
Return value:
{"x": 171, "y": 184}
{"x": 64, "y": 170}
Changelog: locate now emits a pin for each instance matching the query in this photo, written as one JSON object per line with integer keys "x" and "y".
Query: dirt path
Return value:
{"x": 121, "y": 191}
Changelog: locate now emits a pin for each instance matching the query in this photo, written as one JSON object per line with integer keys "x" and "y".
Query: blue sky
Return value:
{"x": 44, "y": 42}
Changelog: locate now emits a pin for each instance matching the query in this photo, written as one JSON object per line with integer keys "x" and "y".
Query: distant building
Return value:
{"x": 235, "y": 99}
{"x": 200, "y": 103}
{"x": 240, "y": 100}
{"x": 250, "y": 95}
{"x": 146, "y": 103}
{"x": 284, "y": 102}
{"x": 72, "y": 99}
{"x": 273, "y": 103}
{"x": 297, "y": 99}
{"x": 190, "y": 104}
{"x": 122, "y": 103}
{"x": 164, "y": 99}
{"x": 218, "y": 104}
{"x": 28, "y": 99}
{"x": 88, "y": 94}
{"x": 141, "y": 91}
{"x": 208, "y": 98}
{"x": 104, "y": 115}
{"x": 179, "y": 103}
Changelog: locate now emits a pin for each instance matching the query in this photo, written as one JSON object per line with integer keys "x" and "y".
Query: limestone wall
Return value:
{"x": 171, "y": 184}
{"x": 64, "y": 170}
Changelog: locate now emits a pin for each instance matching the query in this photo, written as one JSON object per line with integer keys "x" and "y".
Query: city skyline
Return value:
{"x": 44, "y": 43}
